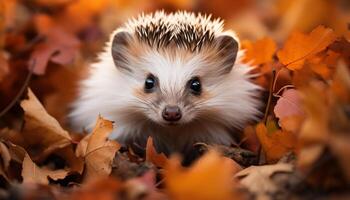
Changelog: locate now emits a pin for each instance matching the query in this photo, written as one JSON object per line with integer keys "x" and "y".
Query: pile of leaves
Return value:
{"x": 299, "y": 149}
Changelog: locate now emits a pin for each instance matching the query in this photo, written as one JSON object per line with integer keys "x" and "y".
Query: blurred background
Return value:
{"x": 47, "y": 44}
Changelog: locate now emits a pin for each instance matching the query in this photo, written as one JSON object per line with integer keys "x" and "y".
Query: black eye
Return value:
{"x": 150, "y": 83}
{"x": 195, "y": 86}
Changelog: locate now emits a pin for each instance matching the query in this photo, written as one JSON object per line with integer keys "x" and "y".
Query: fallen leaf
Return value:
{"x": 31, "y": 173}
{"x": 289, "y": 104}
{"x": 209, "y": 178}
{"x": 5, "y": 155}
{"x": 299, "y": 47}
{"x": 59, "y": 46}
{"x": 158, "y": 159}
{"x": 41, "y": 129}
{"x": 258, "y": 179}
{"x": 259, "y": 52}
{"x": 100, "y": 151}
{"x": 4, "y": 67}
{"x": 275, "y": 144}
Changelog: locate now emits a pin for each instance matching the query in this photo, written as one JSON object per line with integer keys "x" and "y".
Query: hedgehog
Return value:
{"x": 176, "y": 77}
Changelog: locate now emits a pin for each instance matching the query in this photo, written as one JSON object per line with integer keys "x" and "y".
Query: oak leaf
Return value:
{"x": 299, "y": 46}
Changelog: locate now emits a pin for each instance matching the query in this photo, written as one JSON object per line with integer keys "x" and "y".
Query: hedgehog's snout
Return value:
{"x": 171, "y": 113}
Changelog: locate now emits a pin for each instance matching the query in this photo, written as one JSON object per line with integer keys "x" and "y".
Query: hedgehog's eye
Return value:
{"x": 195, "y": 86}
{"x": 150, "y": 83}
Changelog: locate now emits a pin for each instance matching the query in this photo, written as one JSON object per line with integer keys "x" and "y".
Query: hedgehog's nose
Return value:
{"x": 172, "y": 113}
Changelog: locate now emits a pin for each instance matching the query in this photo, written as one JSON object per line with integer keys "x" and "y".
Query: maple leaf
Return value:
{"x": 259, "y": 52}
{"x": 97, "y": 151}
{"x": 209, "y": 178}
{"x": 299, "y": 47}
{"x": 275, "y": 144}
{"x": 158, "y": 159}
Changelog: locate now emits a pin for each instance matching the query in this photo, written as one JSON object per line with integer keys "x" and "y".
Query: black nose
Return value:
{"x": 171, "y": 113}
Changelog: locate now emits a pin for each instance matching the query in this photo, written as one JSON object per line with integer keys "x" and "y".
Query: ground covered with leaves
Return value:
{"x": 298, "y": 150}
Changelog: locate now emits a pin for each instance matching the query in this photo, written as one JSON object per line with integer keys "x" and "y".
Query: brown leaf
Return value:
{"x": 158, "y": 159}
{"x": 31, "y": 173}
{"x": 258, "y": 179}
{"x": 99, "y": 152}
{"x": 300, "y": 47}
{"x": 4, "y": 67}
{"x": 41, "y": 129}
{"x": 209, "y": 178}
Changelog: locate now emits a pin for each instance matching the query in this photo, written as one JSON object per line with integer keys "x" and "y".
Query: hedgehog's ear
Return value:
{"x": 120, "y": 51}
{"x": 228, "y": 49}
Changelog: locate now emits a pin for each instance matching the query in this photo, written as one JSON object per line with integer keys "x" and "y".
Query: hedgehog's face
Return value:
{"x": 173, "y": 85}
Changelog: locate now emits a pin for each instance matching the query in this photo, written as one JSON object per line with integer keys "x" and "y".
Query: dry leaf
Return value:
{"x": 275, "y": 143}
{"x": 259, "y": 52}
{"x": 59, "y": 46}
{"x": 289, "y": 104}
{"x": 300, "y": 47}
{"x": 31, "y": 173}
{"x": 209, "y": 178}
{"x": 41, "y": 129}
{"x": 158, "y": 159}
{"x": 100, "y": 151}
{"x": 258, "y": 179}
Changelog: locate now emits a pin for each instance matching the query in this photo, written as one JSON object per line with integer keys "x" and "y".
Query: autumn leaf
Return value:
{"x": 258, "y": 179}
{"x": 276, "y": 143}
{"x": 97, "y": 151}
{"x": 41, "y": 129}
{"x": 31, "y": 173}
{"x": 209, "y": 178}
{"x": 158, "y": 159}
{"x": 259, "y": 52}
{"x": 299, "y": 47}
{"x": 289, "y": 104}
{"x": 59, "y": 46}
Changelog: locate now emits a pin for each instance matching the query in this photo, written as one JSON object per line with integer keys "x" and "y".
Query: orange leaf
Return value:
{"x": 259, "y": 52}
{"x": 158, "y": 159}
{"x": 275, "y": 144}
{"x": 300, "y": 46}
{"x": 211, "y": 177}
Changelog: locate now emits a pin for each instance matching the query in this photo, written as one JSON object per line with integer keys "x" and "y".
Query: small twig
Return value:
{"x": 20, "y": 93}
{"x": 272, "y": 87}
